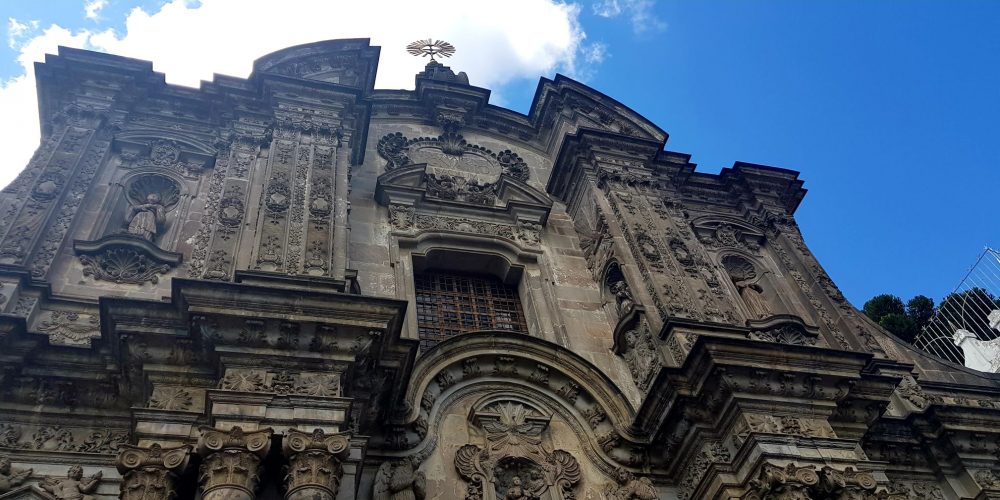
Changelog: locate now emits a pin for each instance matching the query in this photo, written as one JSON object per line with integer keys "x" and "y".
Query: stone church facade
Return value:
{"x": 296, "y": 286}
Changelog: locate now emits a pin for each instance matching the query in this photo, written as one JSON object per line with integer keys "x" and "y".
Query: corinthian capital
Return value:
{"x": 314, "y": 469}
{"x": 150, "y": 473}
{"x": 231, "y": 462}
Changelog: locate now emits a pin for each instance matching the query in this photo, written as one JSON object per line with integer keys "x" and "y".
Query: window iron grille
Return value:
{"x": 450, "y": 304}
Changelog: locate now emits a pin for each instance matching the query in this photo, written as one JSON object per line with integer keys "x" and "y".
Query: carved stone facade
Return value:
{"x": 210, "y": 293}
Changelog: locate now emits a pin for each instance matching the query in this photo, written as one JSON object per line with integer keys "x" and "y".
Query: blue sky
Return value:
{"x": 888, "y": 109}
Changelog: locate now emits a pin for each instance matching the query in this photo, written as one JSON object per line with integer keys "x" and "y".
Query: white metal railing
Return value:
{"x": 965, "y": 327}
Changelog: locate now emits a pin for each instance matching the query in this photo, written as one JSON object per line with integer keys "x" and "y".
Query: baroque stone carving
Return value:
{"x": 745, "y": 277}
{"x": 459, "y": 188}
{"x": 10, "y": 477}
{"x": 784, "y": 334}
{"x": 123, "y": 265}
{"x": 73, "y": 486}
{"x": 514, "y": 463}
{"x": 399, "y": 481}
{"x": 640, "y": 355}
{"x": 452, "y": 151}
{"x": 314, "y": 464}
{"x": 70, "y": 327}
{"x": 171, "y": 398}
{"x": 151, "y": 473}
{"x": 783, "y": 483}
{"x": 627, "y": 487}
{"x": 230, "y": 469}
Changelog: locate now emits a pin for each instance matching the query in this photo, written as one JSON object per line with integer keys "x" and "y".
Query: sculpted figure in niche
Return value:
{"x": 744, "y": 276}
{"x": 401, "y": 481}
{"x": 627, "y": 487}
{"x": 9, "y": 478}
{"x": 145, "y": 219}
{"x": 516, "y": 492}
{"x": 73, "y": 486}
{"x": 623, "y": 297}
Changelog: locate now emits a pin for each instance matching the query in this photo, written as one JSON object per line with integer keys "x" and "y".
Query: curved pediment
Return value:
{"x": 720, "y": 231}
{"x": 421, "y": 184}
{"x": 348, "y": 62}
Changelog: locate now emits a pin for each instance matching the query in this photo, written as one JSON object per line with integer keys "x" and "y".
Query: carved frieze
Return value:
{"x": 61, "y": 438}
{"x": 69, "y": 327}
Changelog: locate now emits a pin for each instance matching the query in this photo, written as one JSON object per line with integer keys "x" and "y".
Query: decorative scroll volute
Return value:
{"x": 314, "y": 464}
{"x": 230, "y": 469}
{"x": 150, "y": 473}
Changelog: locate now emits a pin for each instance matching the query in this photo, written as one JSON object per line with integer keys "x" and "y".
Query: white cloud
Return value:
{"x": 16, "y": 30}
{"x": 189, "y": 41}
{"x": 92, "y": 9}
{"x": 639, "y": 12}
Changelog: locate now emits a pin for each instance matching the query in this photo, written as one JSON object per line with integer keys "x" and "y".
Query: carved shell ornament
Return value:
{"x": 141, "y": 187}
{"x": 739, "y": 268}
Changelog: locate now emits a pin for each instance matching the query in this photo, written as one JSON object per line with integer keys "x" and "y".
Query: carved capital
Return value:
{"x": 230, "y": 468}
{"x": 150, "y": 473}
{"x": 783, "y": 483}
{"x": 314, "y": 464}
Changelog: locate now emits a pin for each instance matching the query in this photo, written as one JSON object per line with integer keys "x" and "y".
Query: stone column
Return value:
{"x": 151, "y": 473}
{"x": 230, "y": 468}
{"x": 314, "y": 459}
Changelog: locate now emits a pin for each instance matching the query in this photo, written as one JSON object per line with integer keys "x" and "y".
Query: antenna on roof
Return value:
{"x": 428, "y": 47}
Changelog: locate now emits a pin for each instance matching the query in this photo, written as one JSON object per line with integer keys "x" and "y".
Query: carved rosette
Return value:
{"x": 151, "y": 473}
{"x": 230, "y": 469}
{"x": 314, "y": 464}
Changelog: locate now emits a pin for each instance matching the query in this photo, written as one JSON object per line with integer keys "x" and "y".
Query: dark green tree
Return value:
{"x": 883, "y": 305}
{"x": 889, "y": 312}
{"x": 920, "y": 309}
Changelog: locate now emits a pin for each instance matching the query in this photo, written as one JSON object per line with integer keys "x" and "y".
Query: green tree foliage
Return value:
{"x": 904, "y": 321}
{"x": 920, "y": 309}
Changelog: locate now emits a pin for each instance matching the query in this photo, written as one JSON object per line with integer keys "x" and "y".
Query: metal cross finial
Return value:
{"x": 431, "y": 48}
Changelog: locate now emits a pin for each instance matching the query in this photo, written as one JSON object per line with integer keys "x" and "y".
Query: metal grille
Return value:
{"x": 452, "y": 304}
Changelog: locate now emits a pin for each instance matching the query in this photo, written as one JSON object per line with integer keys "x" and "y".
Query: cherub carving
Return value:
{"x": 9, "y": 477}
{"x": 73, "y": 486}
{"x": 400, "y": 481}
{"x": 627, "y": 487}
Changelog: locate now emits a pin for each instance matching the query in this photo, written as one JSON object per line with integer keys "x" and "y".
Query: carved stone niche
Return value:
{"x": 728, "y": 233}
{"x": 784, "y": 329}
{"x": 514, "y": 463}
{"x": 130, "y": 253}
{"x": 751, "y": 286}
